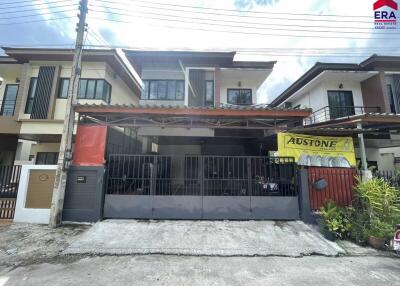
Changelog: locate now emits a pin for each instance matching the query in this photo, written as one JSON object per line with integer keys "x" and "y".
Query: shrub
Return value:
{"x": 376, "y": 210}
{"x": 379, "y": 200}
{"x": 336, "y": 219}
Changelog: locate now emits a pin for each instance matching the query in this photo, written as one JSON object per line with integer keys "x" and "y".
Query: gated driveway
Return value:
{"x": 214, "y": 238}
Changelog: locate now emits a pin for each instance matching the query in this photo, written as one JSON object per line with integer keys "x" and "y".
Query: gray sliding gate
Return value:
{"x": 201, "y": 187}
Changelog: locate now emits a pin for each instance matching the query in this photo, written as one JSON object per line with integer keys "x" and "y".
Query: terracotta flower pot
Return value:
{"x": 376, "y": 242}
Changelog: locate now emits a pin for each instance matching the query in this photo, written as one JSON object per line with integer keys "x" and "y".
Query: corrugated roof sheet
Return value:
{"x": 222, "y": 107}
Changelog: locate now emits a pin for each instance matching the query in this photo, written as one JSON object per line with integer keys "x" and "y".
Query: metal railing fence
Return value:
{"x": 198, "y": 175}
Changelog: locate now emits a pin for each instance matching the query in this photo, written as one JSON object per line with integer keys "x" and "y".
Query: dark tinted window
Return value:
{"x": 9, "y": 98}
{"x": 94, "y": 89}
{"x": 63, "y": 89}
{"x": 46, "y": 158}
{"x": 210, "y": 92}
{"x": 163, "y": 90}
{"x": 82, "y": 88}
{"x": 31, "y": 95}
{"x": 239, "y": 96}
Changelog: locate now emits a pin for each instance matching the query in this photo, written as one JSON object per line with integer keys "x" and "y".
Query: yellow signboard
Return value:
{"x": 317, "y": 150}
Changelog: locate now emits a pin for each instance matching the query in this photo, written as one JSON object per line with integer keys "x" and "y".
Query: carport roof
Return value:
{"x": 173, "y": 110}
{"x": 372, "y": 123}
{"x": 225, "y": 117}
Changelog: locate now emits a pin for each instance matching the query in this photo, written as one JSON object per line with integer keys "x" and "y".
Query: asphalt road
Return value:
{"x": 186, "y": 270}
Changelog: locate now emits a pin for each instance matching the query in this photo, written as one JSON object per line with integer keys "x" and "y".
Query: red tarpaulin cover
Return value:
{"x": 90, "y": 145}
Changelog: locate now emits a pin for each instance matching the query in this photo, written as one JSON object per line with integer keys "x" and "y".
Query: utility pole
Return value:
{"x": 65, "y": 155}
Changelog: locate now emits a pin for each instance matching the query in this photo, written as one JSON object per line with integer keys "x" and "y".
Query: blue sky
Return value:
{"x": 275, "y": 33}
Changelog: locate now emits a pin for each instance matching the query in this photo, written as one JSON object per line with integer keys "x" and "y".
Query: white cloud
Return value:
{"x": 143, "y": 32}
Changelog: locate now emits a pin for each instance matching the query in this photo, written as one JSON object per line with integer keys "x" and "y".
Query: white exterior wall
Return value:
{"x": 385, "y": 160}
{"x": 44, "y": 147}
{"x": 179, "y": 149}
{"x": 232, "y": 82}
{"x": 23, "y": 150}
{"x": 120, "y": 92}
{"x": 317, "y": 98}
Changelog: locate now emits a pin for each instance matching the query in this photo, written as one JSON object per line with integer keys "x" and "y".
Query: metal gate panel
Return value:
{"x": 201, "y": 187}
{"x": 177, "y": 207}
{"x": 286, "y": 208}
{"x": 127, "y": 206}
{"x": 226, "y": 207}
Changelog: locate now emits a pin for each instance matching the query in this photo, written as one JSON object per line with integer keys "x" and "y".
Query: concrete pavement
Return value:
{"x": 203, "y": 271}
{"x": 211, "y": 238}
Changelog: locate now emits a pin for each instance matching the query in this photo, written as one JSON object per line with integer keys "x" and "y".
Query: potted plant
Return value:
{"x": 379, "y": 233}
{"x": 377, "y": 211}
{"x": 334, "y": 221}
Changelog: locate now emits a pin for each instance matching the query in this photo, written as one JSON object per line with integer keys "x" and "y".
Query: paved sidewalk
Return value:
{"x": 211, "y": 238}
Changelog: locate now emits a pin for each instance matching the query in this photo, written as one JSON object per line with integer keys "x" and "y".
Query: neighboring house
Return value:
{"x": 347, "y": 96}
{"x": 34, "y": 96}
{"x": 10, "y": 71}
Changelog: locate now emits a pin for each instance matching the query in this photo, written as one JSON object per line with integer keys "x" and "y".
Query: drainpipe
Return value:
{"x": 366, "y": 174}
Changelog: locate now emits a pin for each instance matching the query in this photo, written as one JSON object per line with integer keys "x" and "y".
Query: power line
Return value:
{"x": 235, "y": 32}
{"x": 36, "y": 9}
{"x": 99, "y": 39}
{"x": 242, "y": 16}
{"x": 247, "y": 22}
{"x": 32, "y": 4}
{"x": 206, "y": 22}
{"x": 24, "y": 1}
{"x": 38, "y": 14}
{"x": 35, "y": 21}
{"x": 241, "y": 11}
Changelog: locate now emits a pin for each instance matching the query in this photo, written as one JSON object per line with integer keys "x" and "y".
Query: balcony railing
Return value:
{"x": 334, "y": 112}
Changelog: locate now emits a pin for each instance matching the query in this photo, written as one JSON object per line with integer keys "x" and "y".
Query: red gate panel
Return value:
{"x": 90, "y": 145}
{"x": 341, "y": 182}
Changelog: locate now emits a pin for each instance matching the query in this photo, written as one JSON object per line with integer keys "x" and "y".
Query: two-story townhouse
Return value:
{"x": 35, "y": 94}
{"x": 199, "y": 144}
{"x": 353, "y": 99}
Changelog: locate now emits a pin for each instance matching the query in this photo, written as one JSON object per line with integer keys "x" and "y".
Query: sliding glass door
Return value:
{"x": 341, "y": 103}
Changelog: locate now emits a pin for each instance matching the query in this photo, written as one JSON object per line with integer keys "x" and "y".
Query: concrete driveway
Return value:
{"x": 210, "y": 238}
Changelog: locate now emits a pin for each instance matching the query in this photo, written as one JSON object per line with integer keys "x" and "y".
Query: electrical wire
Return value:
{"x": 36, "y": 15}
{"x": 220, "y": 23}
{"x": 236, "y": 11}
{"x": 35, "y": 21}
{"x": 35, "y": 9}
{"x": 100, "y": 38}
{"x": 33, "y": 4}
{"x": 322, "y": 36}
{"x": 239, "y": 20}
